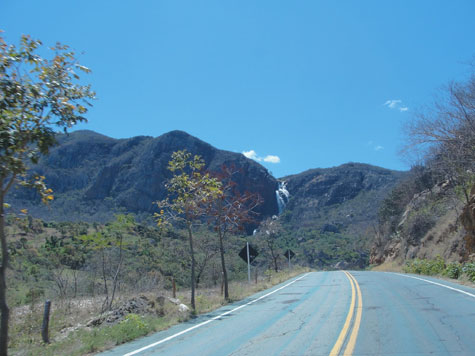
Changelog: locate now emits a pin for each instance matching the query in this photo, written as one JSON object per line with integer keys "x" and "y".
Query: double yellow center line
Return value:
{"x": 353, "y": 321}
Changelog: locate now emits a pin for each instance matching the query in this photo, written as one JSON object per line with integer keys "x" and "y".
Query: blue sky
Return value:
{"x": 294, "y": 84}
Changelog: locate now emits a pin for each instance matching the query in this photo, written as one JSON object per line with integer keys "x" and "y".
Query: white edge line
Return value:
{"x": 438, "y": 284}
{"x": 212, "y": 319}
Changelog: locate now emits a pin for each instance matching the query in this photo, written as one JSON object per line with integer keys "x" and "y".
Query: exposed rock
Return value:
{"x": 344, "y": 198}
{"x": 94, "y": 176}
{"x": 174, "y": 301}
{"x": 430, "y": 227}
{"x": 182, "y": 308}
{"x": 136, "y": 305}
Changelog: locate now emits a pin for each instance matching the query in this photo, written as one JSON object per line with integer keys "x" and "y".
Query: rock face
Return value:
{"x": 93, "y": 176}
{"x": 344, "y": 198}
{"x": 430, "y": 226}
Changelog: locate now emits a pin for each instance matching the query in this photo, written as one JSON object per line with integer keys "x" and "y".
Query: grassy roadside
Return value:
{"x": 463, "y": 274}
{"x": 70, "y": 336}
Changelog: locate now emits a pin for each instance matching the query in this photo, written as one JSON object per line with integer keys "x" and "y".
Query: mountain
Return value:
{"x": 340, "y": 199}
{"x": 325, "y": 212}
{"x": 94, "y": 176}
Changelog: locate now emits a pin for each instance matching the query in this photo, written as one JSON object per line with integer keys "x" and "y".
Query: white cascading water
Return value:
{"x": 282, "y": 195}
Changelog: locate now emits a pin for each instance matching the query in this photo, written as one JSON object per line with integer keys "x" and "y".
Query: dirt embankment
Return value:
{"x": 435, "y": 223}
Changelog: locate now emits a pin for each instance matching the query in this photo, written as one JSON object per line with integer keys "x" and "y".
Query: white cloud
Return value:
{"x": 375, "y": 146}
{"x": 396, "y": 104}
{"x": 272, "y": 159}
{"x": 253, "y": 155}
{"x": 392, "y": 104}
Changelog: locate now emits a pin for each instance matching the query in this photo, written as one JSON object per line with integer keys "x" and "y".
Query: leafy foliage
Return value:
{"x": 189, "y": 194}
{"x": 469, "y": 270}
{"x": 438, "y": 266}
{"x": 36, "y": 94}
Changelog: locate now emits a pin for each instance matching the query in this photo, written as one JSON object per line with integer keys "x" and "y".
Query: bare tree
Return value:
{"x": 229, "y": 212}
{"x": 445, "y": 134}
{"x": 269, "y": 231}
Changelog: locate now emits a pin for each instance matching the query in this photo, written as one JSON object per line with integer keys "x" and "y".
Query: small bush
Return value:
{"x": 469, "y": 270}
{"x": 453, "y": 270}
{"x": 132, "y": 327}
{"x": 427, "y": 267}
{"x": 437, "y": 266}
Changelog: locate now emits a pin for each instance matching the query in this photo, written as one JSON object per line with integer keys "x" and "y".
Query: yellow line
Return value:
{"x": 341, "y": 338}
{"x": 350, "y": 346}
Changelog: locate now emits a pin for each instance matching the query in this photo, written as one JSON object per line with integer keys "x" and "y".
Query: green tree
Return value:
{"x": 36, "y": 94}
{"x": 111, "y": 244}
{"x": 189, "y": 191}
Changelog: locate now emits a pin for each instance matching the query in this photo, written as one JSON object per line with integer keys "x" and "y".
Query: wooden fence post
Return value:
{"x": 45, "y": 325}
{"x": 174, "y": 287}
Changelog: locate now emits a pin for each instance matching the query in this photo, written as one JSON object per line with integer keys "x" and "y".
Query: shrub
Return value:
{"x": 132, "y": 327}
{"x": 453, "y": 270}
{"x": 427, "y": 267}
{"x": 469, "y": 270}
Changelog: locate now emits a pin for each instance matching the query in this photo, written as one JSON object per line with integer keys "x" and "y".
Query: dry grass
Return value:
{"x": 70, "y": 336}
{"x": 389, "y": 266}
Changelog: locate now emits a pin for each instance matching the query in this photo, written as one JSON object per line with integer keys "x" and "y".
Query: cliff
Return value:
{"x": 339, "y": 199}
{"x": 94, "y": 176}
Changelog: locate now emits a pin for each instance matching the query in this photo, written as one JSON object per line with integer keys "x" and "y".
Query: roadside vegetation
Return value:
{"x": 430, "y": 212}
{"x": 79, "y": 265}
{"x": 438, "y": 267}
{"x": 72, "y": 329}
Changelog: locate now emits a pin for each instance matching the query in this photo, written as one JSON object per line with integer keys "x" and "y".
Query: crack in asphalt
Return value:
{"x": 244, "y": 348}
{"x": 432, "y": 308}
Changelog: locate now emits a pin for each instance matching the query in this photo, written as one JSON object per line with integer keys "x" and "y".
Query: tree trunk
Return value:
{"x": 223, "y": 264}
{"x": 275, "y": 264}
{"x": 104, "y": 277}
{"x": 3, "y": 286}
{"x": 190, "y": 237}
{"x": 273, "y": 255}
{"x": 116, "y": 276}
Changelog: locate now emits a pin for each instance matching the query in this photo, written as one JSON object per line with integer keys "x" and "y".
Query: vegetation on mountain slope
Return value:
{"x": 95, "y": 177}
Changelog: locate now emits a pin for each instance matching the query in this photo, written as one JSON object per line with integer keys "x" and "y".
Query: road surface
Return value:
{"x": 330, "y": 313}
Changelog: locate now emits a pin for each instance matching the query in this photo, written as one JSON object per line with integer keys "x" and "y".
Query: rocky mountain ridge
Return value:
{"x": 94, "y": 176}
{"x": 339, "y": 199}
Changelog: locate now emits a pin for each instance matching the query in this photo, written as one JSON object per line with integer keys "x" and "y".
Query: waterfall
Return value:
{"x": 282, "y": 196}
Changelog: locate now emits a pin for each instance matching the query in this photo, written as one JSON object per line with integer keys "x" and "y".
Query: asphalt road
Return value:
{"x": 330, "y": 313}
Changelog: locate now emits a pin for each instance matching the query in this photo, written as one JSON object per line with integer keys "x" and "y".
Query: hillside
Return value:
{"x": 339, "y": 199}
{"x": 435, "y": 222}
{"x": 327, "y": 213}
{"x": 94, "y": 176}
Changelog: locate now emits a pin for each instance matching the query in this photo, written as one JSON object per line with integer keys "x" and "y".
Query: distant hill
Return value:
{"x": 94, "y": 176}
{"x": 339, "y": 199}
